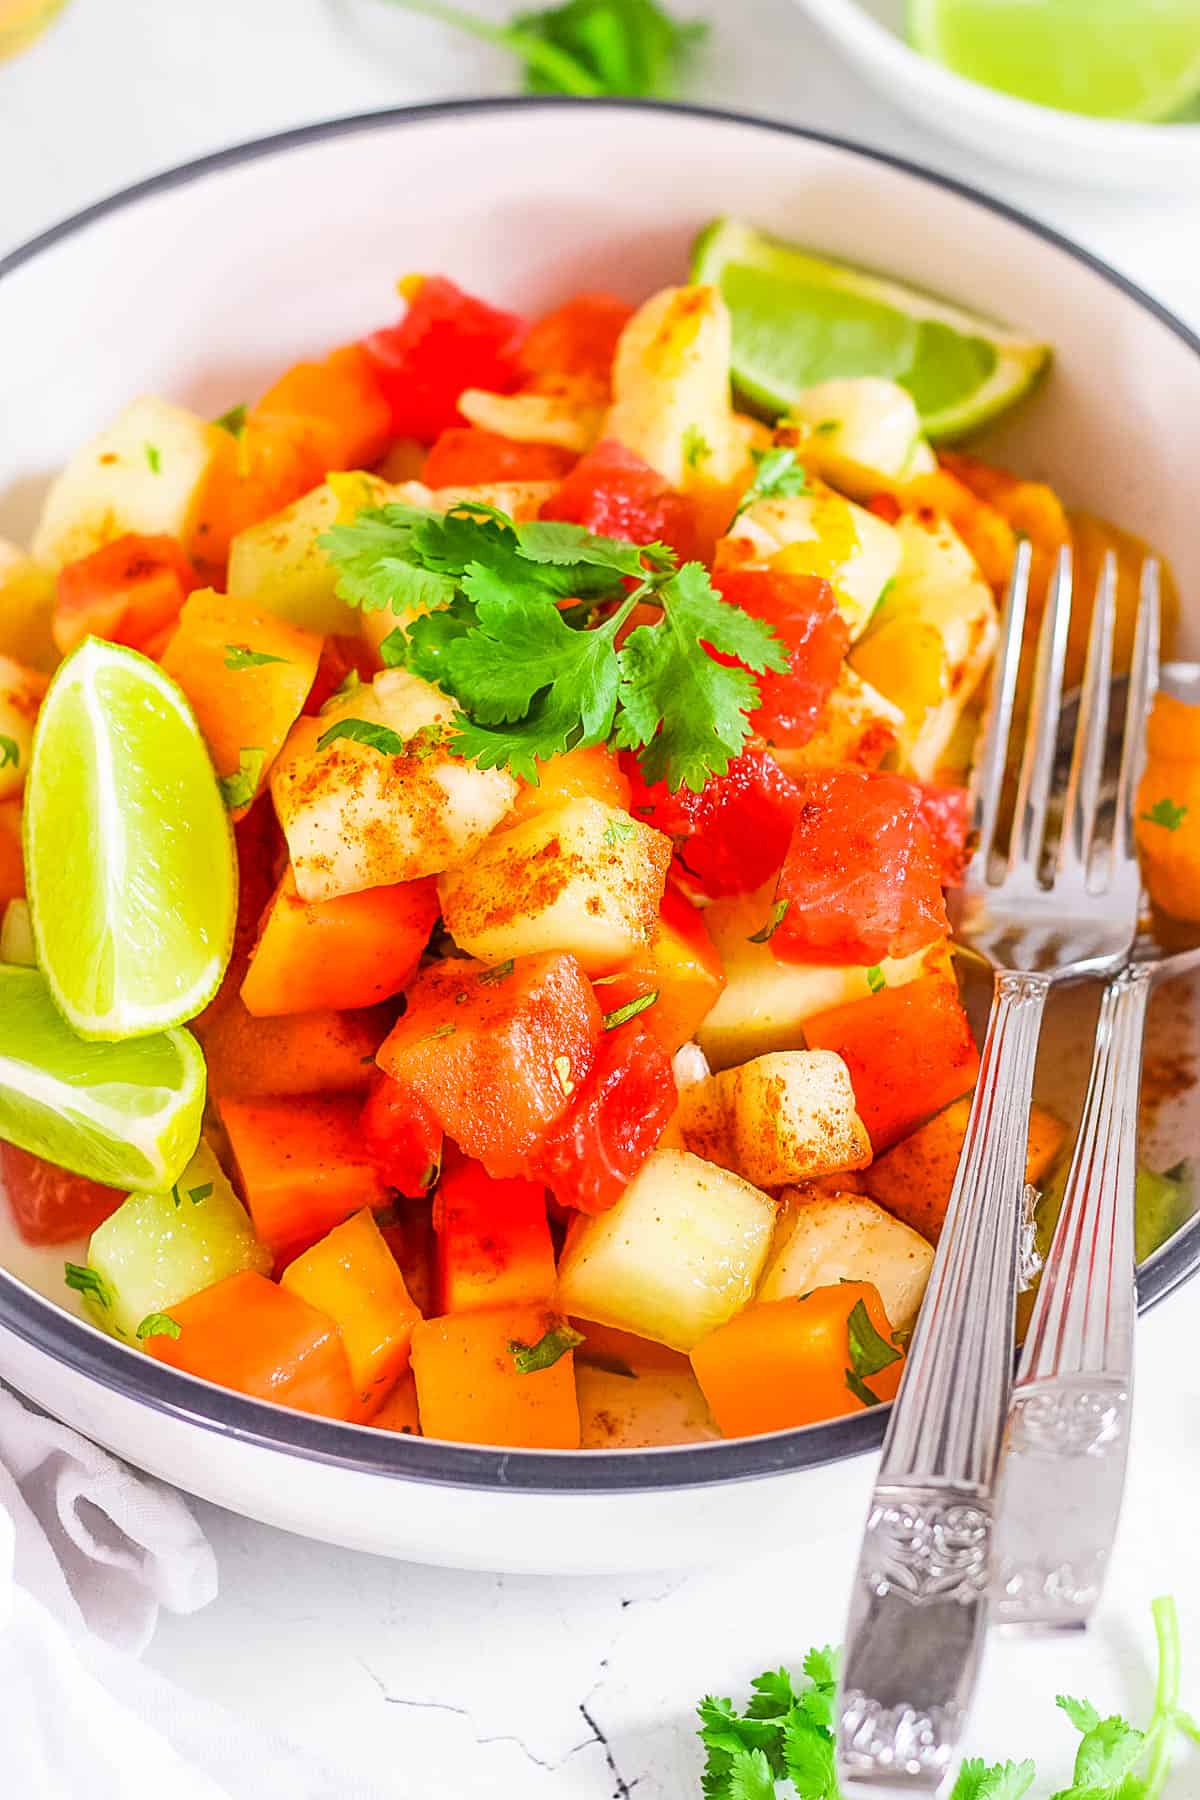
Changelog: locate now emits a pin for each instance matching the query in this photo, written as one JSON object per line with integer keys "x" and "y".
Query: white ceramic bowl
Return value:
{"x": 1060, "y": 145}
{"x": 201, "y": 284}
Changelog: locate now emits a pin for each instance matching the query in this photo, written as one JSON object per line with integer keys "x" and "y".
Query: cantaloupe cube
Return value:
{"x": 846, "y": 1238}
{"x": 356, "y": 815}
{"x": 352, "y": 1277}
{"x": 478, "y": 1384}
{"x": 582, "y": 877}
{"x": 145, "y": 472}
{"x": 679, "y": 1253}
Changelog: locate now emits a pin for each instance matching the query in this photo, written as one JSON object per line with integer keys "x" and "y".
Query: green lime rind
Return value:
{"x": 1084, "y": 57}
{"x": 129, "y": 851}
{"x": 799, "y": 319}
{"x": 127, "y": 1114}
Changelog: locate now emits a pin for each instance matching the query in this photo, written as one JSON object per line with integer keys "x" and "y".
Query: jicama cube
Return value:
{"x": 765, "y": 1002}
{"x": 792, "y": 1117}
{"x": 583, "y": 877}
{"x": 914, "y": 1178}
{"x": 818, "y": 534}
{"x": 21, "y": 693}
{"x": 352, "y": 1278}
{"x": 358, "y": 814}
{"x": 679, "y": 1253}
{"x": 861, "y": 433}
{"x": 563, "y": 418}
{"x": 846, "y": 1238}
{"x": 145, "y": 472}
{"x": 279, "y": 565}
{"x": 502, "y": 1376}
{"x": 932, "y": 639}
{"x": 158, "y": 1249}
{"x": 671, "y": 388}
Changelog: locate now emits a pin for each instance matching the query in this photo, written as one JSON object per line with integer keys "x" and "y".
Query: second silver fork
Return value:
{"x": 919, "y": 1605}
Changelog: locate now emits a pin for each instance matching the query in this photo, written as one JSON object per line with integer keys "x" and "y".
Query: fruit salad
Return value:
{"x": 475, "y": 829}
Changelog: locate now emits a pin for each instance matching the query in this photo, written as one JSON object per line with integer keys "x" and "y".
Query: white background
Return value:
{"x": 422, "y": 1682}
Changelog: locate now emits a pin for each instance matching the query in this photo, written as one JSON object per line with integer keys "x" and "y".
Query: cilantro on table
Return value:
{"x": 786, "y": 1735}
{"x": 586, "y": 47}
{"x": 522, "y": 633}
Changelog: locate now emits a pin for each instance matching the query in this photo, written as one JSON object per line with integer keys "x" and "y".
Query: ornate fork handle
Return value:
{"x": 1068, "y": 1426}
{"x": 929, "y": 1532}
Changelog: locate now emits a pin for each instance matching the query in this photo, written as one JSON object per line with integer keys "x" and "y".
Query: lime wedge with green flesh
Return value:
{"x": 128, "y": 848}
{"x": 799, "y": 319}
{"x": 126, "y": 1114}
{"x": 1112, "y": 59}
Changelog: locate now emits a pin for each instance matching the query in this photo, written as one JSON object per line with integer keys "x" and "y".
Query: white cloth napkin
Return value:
{"x": 89, "y": 1552}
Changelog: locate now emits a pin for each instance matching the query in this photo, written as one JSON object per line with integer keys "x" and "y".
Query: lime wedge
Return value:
{"x": 128, "y": 848}
{"x": 1114, "y": 59}
{"x": 799, "y": 319}
{"x": 125, "y": 1114}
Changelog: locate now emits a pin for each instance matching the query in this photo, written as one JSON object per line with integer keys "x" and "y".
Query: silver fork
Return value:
{"x": 919, "y": 1605}
{"x": 1067, "y": 1440}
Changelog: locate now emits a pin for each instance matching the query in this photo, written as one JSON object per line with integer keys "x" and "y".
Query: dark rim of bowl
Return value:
{"x": 66, "y": 1339}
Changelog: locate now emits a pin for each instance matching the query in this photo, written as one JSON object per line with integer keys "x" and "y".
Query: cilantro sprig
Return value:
{"x": 524, "y": 631}
{"x": 786, "y": 1734}
{"x": 777, "y": 476}
{"x": 586, "y": 47}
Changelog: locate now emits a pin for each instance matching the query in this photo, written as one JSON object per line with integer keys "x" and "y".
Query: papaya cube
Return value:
{"x": 593, "y": 773}
{"x": 493, "y": 1241}
{"x": 679, "y": 965}
{"x": 244, "y": 706}
{"x": 471, "y": 1386}
{"x": 784, "y": 1363}
{"x": 324, "y": 1052}
{"x": 339, "y": 402}
{"x": 582, "y": 877}
{"x": 679, "y": 1253}
{"x": 347, "y": 952}
{"x": 129, "y": 591}
{"x": 248, "y": 1334}
{"x": 398, "y": 1412}
{"x": 352, "y": 1277}
{"x": 909, "y": 1051}
{"x": 303, "y": 1166}
{"x": 914, "y": 1179}
{"x": 496, "y": 1054}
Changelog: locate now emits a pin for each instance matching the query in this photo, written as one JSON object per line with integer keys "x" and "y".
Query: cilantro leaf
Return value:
{"x": 621, "y": 1015}
{"x": 530, "y": 1359}
{"x": 364, "y": 731}
{"x": 158, "y": 1324}
{"x": 696, "y": 447}
{"x": 777, "y": 475}
{"x": 10, "y": 752}
{"x": 978, "y": 1780}
{"x": 233, "y": 421}
{"x": 686, "y": 711}
{"x": 876, "y": 979}
{"x": 350, "y": 681}
{"x": 808, "y": 1757}
{"x": 1166, "y": 813}
{"x": 238, "y": 789}
{"x": 378, "y": 566}
{"x": 767, "y": 931}
{"x": 750, "y": 1776}
{"x": 869, "y": 1352}
{"x": 241, "y": 656}
{"x": 153, "y": 458}
{"x": 1081, "y": 1713}
{"x": 83, "y": 1279}
{"x": 393, "y": 649}
{"x": 587, "y": 47}
{"x": 1107, "y": 1753}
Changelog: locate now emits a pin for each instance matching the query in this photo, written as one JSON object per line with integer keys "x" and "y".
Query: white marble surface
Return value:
{"x": 423, "y": 1681}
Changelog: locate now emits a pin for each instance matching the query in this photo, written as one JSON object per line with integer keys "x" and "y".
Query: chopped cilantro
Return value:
{"x": 869, "y": 1352}
{"x": 197, "y": 1194}
{"x": 696, "y": 447}
{"x": 239, "y": 788}
{"x": 1166, "y": 813}
{"x": 826, "y": 426}
{"x": 241, "y": 656}
{"x": 496, "y": 973}
{"x": 531, "y": 1358}
{"x": 158, "y": 1324}
{"x": 10, "y": 753}
{"x": 532, "y": 678}
{"x": 772, "y": 925}
{"x": 876, "y": 979}
{"x": 364, "y": 731}
{"x": 621, "y": 1015}
{"x": 393, "y": 649}
{"x": 233, "y": 421}
{"x": 562, "y": 1074}
{"x": 84, "y": 1280}
{"x": 777, "y": 475}
{"x": 618, "y": 831}
{"x": 440, "y": 1031}
{"x": 153, "y": 458}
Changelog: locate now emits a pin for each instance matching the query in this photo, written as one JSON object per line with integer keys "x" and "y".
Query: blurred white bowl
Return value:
{"x": 1066, "y": 146}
